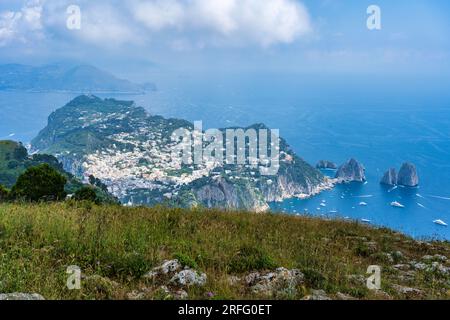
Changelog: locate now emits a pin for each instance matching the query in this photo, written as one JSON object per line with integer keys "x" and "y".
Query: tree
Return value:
{"x": 86, "y": 194}
{"x": 4, "y": 193}
{"x": 40, "y": 183}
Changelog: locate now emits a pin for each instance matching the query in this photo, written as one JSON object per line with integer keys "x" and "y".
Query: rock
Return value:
{"x": 407, "y": 290}
{"x": 180, "y": 295}
{"x": 20, "y": 296}
{"x": 418, "y": 265}
{"x": 167, "y": 267}
{"x": 439, "y": 268}
{"x": 189, "y": 277}
{"x": 390, "y": 177}
{"x": 351, "y": 171}
{"x": 318, "y": 295}
{"x": 436, "y": 257}
{"x": 325, "y": 164}
{"x": 403, "y": 267}
{"x": 408, "y": 176}
{"x": 343, "y": 296}
{"x": 280, "y": 282}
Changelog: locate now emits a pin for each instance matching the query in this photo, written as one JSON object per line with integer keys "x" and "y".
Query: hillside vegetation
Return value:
{"x": 115, "y": 247}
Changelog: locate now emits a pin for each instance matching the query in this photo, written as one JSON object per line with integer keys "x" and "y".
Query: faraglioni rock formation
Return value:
{"x": 407, "y": 176}
{"x": 390, "y": 177}
{"x": 351, "y": 171}
{"x": 325, "y": 164}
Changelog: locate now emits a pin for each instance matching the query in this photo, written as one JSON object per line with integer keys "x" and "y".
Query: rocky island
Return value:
{"x": 390, "y": 177}
{"x": 407, "y": 176}
{"x": 325, "y": 164}
{"x": 351, "y": 171}
{"x": 130, "y": 151}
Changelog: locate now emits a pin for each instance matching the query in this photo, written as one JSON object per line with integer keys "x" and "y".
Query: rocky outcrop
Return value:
{"x": 351, "y": 171}
{"x": 171, "y": 273}
{"x": 325, "y": 164}
{"x": 407, "y": 176}
{"x": 279, "y": 283}
{"x": 390, "y": 177}
{"x": 20, "y": 296}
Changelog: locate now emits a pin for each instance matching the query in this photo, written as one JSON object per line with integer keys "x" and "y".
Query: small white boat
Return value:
{"x": 366, "y": 220}
{"x": 397, "y": 204}
{"x": 363, "y": 204}
{"x": 323, "y": 204}
{"x": 440, "y": 222}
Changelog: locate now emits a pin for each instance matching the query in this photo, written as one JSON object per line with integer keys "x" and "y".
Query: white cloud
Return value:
{"x": 22, "y": 25}
{"x": 264, "y": 22}
{"x": 198, "y": 23}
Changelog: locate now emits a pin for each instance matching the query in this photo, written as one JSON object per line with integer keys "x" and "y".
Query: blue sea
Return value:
{"x": 381, "y": 121}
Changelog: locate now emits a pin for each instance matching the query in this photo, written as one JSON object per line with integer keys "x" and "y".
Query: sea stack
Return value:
{"x": 325, "y": 164}
{"x": 407, "y": 176}
{"x": 390, "y": 177}
{"x": 351, "y": 171}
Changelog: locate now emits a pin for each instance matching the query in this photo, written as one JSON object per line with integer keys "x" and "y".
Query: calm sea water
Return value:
{"x": 380, "y": 122}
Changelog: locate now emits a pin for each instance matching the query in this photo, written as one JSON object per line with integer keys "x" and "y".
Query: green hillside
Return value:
{"x": 14, "y": 160}
{"x": 116, "y": 247}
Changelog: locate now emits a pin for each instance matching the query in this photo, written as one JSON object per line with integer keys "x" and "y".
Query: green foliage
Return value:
{"x": 86, "y": 194}
{"x": 186, "y": 260}
{"x": 251, "y": 258}
{"x": 114, "y": 246}
{"x": 40, "y": 183}
{"x": 314, "y": 278}
{"x": 4, "y": 193}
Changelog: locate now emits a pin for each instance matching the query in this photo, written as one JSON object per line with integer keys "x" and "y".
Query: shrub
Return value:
{"x": 314, "y": 278}
{"x": 86, "y": 194}
{"x": 4, "y": 193}
{"x": 185, "y": 260}
{"x": 40, "y": 183}
{"x": 251, "y": 258}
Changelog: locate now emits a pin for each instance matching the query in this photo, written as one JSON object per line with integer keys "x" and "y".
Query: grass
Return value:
{"x": 114, "y": 246}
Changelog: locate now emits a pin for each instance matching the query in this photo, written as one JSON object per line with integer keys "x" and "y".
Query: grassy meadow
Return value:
{"x": 115, "y": 246}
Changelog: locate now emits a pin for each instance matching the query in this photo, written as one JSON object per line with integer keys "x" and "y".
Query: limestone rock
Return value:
{"x": 325, "y": 164}
{"x": 351, "y": 171}
{"x": 390, "y": 177}
{"x": 189, "y": 277}
{"x": 20, "y": 296}
{"x": 408, "y": 176}
{"x": 280, "y": 282}
{"x": 167, "y": 267}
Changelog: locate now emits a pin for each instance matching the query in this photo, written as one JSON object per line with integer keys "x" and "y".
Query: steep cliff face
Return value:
{"x": 407, "y": 176}
{"x": 351, "y": 171}
{"x": 130, "y": 151}
{"x": 390, "y": 177}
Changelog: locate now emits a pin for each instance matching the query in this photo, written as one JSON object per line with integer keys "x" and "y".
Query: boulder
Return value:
{"x": 390, "y": 177}
{"x": 188, "y": 277}
{"x": 325, "y": 164}
{"x": 351, "y": 171}
{"x": 167, "y": 267}
{"x": 407, "y": 176}
{"x": 280, "y": 282}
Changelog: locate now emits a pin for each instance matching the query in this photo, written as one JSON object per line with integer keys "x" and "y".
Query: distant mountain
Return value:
{"x": 14, "y": 160}
{"x": 130, "y": 152}
{"x": 77, "y": 79}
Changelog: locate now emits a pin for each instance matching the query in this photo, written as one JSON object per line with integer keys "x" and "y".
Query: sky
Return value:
{"x": 292, "y": 36}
